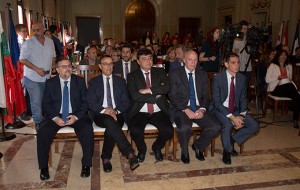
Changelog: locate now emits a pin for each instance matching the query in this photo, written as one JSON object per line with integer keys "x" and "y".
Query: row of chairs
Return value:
{"x": 68, "y": 134}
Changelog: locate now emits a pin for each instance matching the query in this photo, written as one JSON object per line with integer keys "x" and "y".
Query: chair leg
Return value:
{"x": 56, "y": 146}
{"x": 212, "y": 147}
{"x": 50, "y": 157}
{"x": 205, "y": 151}
{"x": 167, "y": 150}
{"x": 241, "y": 148}
{"x": 174, "y": 145}
{"x": 275, "y": 109}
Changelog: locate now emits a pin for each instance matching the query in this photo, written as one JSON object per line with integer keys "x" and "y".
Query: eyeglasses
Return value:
{"x": 107, "y": 64}
{"x": 66, "y": 66}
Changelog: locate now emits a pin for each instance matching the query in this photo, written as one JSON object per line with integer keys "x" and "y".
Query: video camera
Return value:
{"x": 228, "y": 34}
{"x": 255, "y": 37}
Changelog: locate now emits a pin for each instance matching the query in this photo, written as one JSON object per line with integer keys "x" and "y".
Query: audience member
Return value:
{"x": 189, "y": 101}
{"x": 229, "y": 105}
{"x": 148, "y": 87}
{"x": 108, "y": 99}
{"x": 65, "y": 104}
{"x": 91, "y": 57}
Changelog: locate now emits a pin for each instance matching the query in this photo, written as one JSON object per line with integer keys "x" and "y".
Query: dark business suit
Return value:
{"x": 137, "y": 120}
{"x": 219, "y": 95}
{"x": 174, "y": 65}
{"x": 113, "y": 132}
{"x": 179, "y": 97}
{"x": 51, "y": 105}
{"x": 118, "y": 68}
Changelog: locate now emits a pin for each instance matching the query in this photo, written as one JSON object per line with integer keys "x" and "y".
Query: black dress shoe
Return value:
{"x": 107, "y": 167}
{"x": 44, "y": 175}
{"x": 25, "y": 117}
{"x": 133, "y": 163}
{"x": 85, "y": 171}
{"x": 158, "y": 155}
{"x": 141, "y": 156}
{"x": 198, "y": 153}
{"x": 226, "y": 157}
{"x": 185, "y": 158}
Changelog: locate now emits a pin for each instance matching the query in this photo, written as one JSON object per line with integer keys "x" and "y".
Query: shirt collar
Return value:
{"x": 188, "y": 71}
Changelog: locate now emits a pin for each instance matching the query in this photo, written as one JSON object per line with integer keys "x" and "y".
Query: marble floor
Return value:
{"x": 271, "y": 160}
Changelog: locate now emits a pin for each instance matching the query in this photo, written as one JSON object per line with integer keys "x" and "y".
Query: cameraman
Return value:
{"x": 239, "y": 48}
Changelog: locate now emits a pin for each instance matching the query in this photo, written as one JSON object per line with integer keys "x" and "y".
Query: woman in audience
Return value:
{"x": 155, "y": 38}
{"x": 147, "y": 39}
{"x": 210, "y": 55}
{"x": 170, "y": 58}
{"x": 108, "y": 50}
{"x": 279, "y": 79}
{"x": 166, "y": 40}
{"x": 116, "y": 54}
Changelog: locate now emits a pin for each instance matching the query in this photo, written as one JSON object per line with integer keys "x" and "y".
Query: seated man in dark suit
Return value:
{"x": 148, "y": 87}
{"x": 180, "y": 50}
{"x": 108, "y": 99}
{"x": 65, "y": 104}
{"x": 229, "y": 104}
{"x": 189, "y": 100}
{"x": 125, "y": 65}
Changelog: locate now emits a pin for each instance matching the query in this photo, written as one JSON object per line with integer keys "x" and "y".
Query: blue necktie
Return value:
{"x": 108, "y": 93}
{"x": 192, "y": 93}
{"x": 65, "y": 104}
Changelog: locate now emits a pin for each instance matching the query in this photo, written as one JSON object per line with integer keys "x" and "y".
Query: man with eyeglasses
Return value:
{"x": 65, "y": 104}
{"x": 108, "y": 99}
{"x": 38, "y": 55}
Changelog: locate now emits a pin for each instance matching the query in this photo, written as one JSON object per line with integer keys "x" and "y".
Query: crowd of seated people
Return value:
{"x": 132, "y": 90}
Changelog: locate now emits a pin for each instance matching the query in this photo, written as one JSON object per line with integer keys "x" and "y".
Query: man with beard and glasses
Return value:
{"x": 65, "y": 104}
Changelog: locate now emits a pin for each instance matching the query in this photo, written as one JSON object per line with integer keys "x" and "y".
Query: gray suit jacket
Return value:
{"x": 220, "y": 93}
{"x": 180, "y": 90}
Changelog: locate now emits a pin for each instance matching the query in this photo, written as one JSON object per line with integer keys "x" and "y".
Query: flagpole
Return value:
{"x": 5, "y": 136}
{"x": 282, "y": 33}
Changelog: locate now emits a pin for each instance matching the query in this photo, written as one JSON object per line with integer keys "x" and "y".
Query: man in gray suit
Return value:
{"x": 92, "y": 57}
{"x": 189, "y": 102}
{"x": 229, "y": 95}
{"x": 125, "y": 65}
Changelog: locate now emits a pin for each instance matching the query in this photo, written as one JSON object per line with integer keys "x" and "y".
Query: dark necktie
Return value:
{"x": 65, "y": 104}
{"x": 148, "y": 84}
{"x": 126, "y": 70}
{"x": 192, "y": 93}
{"x": 231, "y": 96}
{"x": 108, "y": 94}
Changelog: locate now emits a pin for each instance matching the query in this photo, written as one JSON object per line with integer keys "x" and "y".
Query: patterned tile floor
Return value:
{"x": 271, "y": 160}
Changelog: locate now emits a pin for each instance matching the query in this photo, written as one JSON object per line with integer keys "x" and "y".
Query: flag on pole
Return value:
{"x": 279, "y": 37}
{"x": 59, "y": 34}
{"x": 296, "y": 40}
{"x": 18, "y": 99}
{"x": 2, "y": 87}
{"x": 8, "y": 77}
{"x": 285, "y": 40}
{"x": 13, "y": 42}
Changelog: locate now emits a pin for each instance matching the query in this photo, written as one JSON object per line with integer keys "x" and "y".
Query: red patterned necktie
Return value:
{"x": 148, "y": 84}
{"x": 231, "y": 96}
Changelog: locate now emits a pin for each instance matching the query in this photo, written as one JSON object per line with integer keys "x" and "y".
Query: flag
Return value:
{"x": 13, "y": 42}
{"x": 18, "y": 97}
{"x": 8, "y": 77}
{"x": 2, "y": 87}
{"x": 25, "y": 22}
{"x": 285, "y": 40}
{"x": 59, "y": 34}
{"x": 70, "y": 30}
{"x": 296, "y": 40}
{"x": 279, "y": 37}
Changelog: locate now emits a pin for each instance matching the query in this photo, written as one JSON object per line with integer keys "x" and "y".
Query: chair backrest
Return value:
{"x": 88, "y": 72}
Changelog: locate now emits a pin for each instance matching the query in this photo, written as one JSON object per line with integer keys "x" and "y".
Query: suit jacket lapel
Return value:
{"x": 225, "y": 85}
{"x": 115, "y": 88}
{"x": 198, "y": 83}
{"x": 184, "y": 78}
{"x": 237, "y": 88}
{"x": 140, "y": 75}
{"x": 59, "y": 93}
{"x": 72, "y": 89}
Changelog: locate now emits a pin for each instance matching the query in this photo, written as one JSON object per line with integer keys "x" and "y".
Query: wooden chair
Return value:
{"x": 88, "y": 72}
{"x": 276, "y": 102}
{"x": 196, "y": 131}
{"x": 68, "y": 134}
{"x": 152, "y": 132}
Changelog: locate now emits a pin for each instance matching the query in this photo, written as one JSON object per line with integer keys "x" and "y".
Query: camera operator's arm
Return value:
{"x": 202, "y": 57}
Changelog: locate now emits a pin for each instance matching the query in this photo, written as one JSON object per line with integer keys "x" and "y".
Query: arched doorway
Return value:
{"x": 139, "y": 18}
